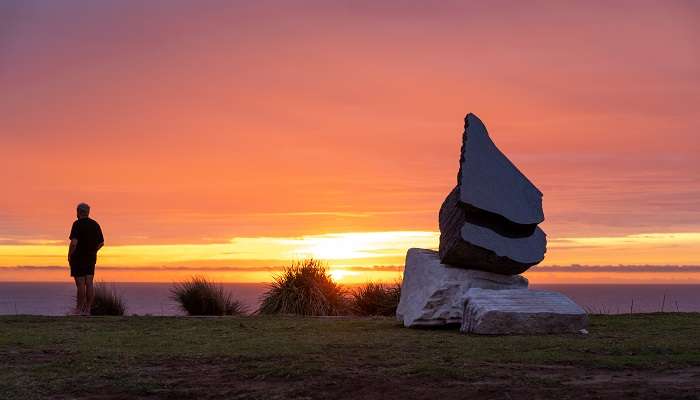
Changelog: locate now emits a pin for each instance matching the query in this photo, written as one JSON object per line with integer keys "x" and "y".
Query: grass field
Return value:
{"x": 651, "y": 356}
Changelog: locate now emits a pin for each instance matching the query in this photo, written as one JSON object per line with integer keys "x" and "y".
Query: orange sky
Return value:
{"x": 231, "y": 135}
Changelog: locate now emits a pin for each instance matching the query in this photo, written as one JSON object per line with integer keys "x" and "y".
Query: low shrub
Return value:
{"x": 107, "y": 301}
{"x": 304, "y": 288}
{"x": 376, "y": 299}
{"x": 200, "y": 296}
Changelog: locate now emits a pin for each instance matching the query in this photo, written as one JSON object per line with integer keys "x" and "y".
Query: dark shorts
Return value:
{"x": 81, "y": 268}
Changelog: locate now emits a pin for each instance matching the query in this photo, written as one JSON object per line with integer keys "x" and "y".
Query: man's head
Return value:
{"x": 83, "y": 210}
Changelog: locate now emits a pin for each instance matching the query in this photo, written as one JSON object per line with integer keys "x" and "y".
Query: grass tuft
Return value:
{"x": 376, "y": 299}
{"x": 200, "y": 296}
{"x": 304, "y": 288}
{"x": 107, "y": 301}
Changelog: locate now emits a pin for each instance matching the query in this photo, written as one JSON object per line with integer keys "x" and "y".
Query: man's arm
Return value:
{"x": 100, "y": 238}
{"x": 71, "y": 248}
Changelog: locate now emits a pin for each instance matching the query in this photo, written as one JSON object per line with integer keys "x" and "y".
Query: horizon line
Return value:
{"x": 660, "y": 268}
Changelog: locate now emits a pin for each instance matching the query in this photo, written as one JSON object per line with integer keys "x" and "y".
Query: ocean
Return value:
{"x": 153, "y": 298}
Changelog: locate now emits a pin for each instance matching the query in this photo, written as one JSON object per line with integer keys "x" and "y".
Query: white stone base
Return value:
{"x": 434, "y": 293}
{"x": 524, "y": 312}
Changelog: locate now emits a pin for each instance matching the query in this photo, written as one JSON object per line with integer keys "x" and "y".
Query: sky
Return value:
{"x": 229, "y": 138}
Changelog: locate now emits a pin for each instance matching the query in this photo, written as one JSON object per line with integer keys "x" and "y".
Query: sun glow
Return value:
{"x": 339, "y": 249}
{"x": 348, "y": 246}
{"x": 351, "y": 256}
{"x": 342, "y": 275}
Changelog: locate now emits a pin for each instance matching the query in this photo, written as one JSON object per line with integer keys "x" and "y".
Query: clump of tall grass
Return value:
{"x": 304, "y": 288}
{"x": 597, "y": 310}
{"x": 200, "y": 296}
{"x": 107, "y": 301}
{"x": 376, "y": 299}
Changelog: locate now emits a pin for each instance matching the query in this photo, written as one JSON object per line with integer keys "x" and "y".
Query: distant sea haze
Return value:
{"x": 154, "y": 298}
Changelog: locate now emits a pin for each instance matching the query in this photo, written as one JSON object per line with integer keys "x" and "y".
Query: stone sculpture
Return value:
{"x": 489, "y": 234}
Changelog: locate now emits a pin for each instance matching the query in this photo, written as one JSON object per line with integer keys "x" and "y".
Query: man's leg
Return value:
{"x": 90, "y": 293}
{"x": 80, "y": 297}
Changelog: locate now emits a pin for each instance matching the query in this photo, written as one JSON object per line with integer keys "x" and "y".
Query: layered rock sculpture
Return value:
{"x": 489, "y": 220}
{"x": 489, "y": 234}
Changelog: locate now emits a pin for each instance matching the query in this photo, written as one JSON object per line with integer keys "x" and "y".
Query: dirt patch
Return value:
{"x": 232, "y": 378}
{"x": 33, "y": 357}
{"x": 210, "y": 379}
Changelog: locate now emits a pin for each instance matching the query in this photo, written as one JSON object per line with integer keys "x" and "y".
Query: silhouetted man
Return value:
{"x": 85, "y": 240}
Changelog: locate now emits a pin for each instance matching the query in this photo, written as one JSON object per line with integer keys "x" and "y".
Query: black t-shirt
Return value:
{"x": 89, "y": 235}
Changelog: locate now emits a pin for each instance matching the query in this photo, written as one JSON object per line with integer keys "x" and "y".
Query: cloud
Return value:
{"x": 163, "y": 268}
{"x": 617, "y": 268}
{"x": 332, "y": 247}
{"x": 375, "y": 268}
